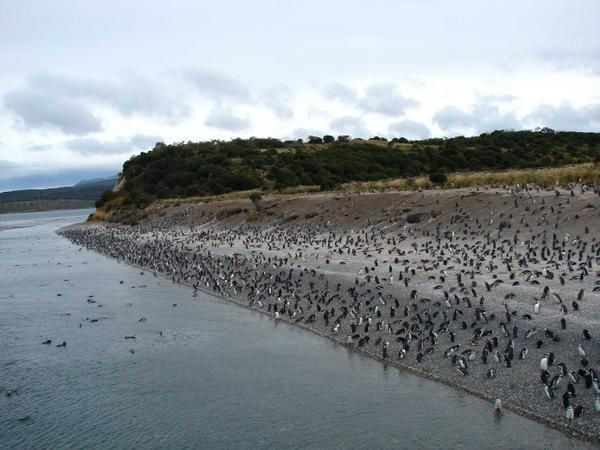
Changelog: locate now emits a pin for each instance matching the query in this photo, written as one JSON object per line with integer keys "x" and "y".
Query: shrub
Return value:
{"x": 107, "y": 196}
{"x": 255, "y": 197}
{"x": 327, "y": 185}
{"x": 438, "y": 178}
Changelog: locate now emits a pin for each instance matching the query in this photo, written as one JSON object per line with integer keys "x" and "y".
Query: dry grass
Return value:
{"x": 100, "y": 214}
{"x": 294, "y": 190}
{"x": 204, "y": 199}
{"x": 547, "y": 177}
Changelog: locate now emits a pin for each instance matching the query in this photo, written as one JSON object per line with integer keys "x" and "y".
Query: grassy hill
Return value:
{"x": 211, "y": 168}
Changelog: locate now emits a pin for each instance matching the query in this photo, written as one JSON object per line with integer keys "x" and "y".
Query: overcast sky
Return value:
{"x": 86, "y": 84}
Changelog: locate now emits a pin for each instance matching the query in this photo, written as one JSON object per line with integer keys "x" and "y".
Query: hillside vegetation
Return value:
{"x": 217, "y": 167}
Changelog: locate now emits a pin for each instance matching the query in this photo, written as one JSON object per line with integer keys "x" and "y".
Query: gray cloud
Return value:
{"x": 41, "y": 109}
{"x": 4, "y": 164}
{"x": 278, "y": 99}
{"x": 562, "y": 59}
{"x": 339, "y": 92}
{"x": 451, "y": 117}
{"x": 409, "y": 129}
{"x": 383, "y": 98}
{"x": 216, "y": 85}
{"x": 496, "y": 98}
{"x": 224, "y": 118}
{"x": 484, "y": 116}
{"x": 64, "y": 102}
{"x": 566, "y": 117}
{"x": 89, "y": 146}
{"x": 131, "y": 94}
{"x": 354, "y": 126}
{"x": 380, "y": 98}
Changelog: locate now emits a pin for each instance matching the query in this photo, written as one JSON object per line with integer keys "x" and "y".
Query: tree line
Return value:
{"x": 217, "y": 167}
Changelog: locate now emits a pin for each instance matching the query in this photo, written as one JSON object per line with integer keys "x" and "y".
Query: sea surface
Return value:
{"x": 201, "y": 372}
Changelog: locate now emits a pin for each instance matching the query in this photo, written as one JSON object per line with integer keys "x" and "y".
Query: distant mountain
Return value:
{"x": 82, "y": 195}
{"x": 98, "y": 181}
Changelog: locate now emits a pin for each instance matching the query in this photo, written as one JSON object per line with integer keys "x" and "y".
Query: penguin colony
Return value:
{"x": 496, "y": 290}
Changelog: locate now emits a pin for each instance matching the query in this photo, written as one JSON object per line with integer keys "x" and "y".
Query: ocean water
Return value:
{"x": 202, "y": 372}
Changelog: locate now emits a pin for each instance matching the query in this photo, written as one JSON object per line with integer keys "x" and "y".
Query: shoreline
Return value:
{"x": 239, "y": 257}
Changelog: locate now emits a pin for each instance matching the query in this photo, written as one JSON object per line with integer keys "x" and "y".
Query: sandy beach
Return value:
{"x": 494, "y": 291}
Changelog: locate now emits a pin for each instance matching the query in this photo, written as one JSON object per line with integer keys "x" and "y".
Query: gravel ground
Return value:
{"x": 444, "y": 273}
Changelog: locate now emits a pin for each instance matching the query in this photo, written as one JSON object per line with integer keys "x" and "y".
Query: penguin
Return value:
{"x": 498, "y": 406}
{"x": 566, "y": 398}
{"x": 523, "y": 353}
{"x": 545, "y": 376}
{"x": 570, "y": 414}
{"x": 574, "y": 377}
{"x": 563, "y": 369}
{"x": 586, "y": 334}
